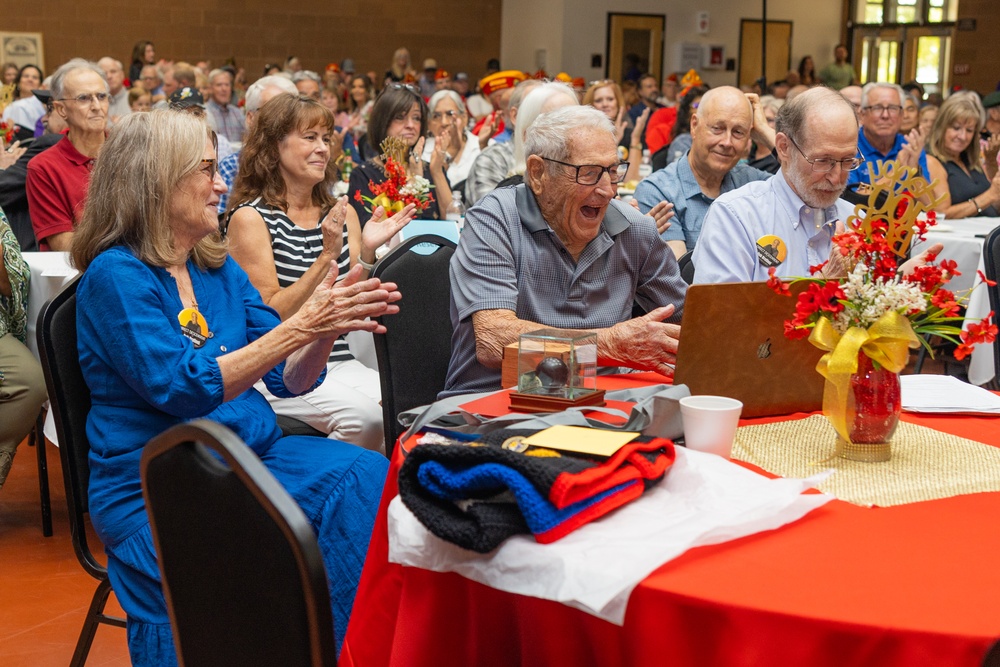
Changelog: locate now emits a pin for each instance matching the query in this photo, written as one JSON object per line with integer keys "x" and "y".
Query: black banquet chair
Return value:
{"x": 242, "y": 572}
{"x": 414, "y": 352}
{"x": 69, "y": 399}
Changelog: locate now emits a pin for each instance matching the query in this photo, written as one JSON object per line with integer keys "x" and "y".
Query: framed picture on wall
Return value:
{"x": 714, "y": 57}
{"x": 634, "y": 46}
{"x": 22, "y": 48}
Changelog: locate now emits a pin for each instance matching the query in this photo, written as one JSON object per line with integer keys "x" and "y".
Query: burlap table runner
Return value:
{"x": 925, "y": 465}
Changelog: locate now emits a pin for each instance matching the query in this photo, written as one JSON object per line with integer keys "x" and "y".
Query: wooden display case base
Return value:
{"x": 537, "y": 403}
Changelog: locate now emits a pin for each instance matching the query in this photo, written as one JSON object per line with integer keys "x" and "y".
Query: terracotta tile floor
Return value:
{"x": 44, "y": 593}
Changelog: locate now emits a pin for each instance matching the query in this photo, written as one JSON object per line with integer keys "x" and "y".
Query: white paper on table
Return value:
{"x": 704, "y": 499}
{"x": 946, "y": 394}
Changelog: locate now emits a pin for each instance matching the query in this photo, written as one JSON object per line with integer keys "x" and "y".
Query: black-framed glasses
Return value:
{"x": 87, "y": 98}
{"x": 213, "y": 167}
{"x": 825, "y": 164}
{"x": 590, "y": 174}
{"x": 879, "y": 109}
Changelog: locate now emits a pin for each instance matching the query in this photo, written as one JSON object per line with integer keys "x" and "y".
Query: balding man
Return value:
{"x": 853, "y": 95}
{"x": 114, "y": 74}
{"x": 560, "y": 251}
{"x": 720, "y": 133}
{"x": 57, "y": 179}
{"x": 786, "y": 222}
{"x": 258, "y": 94}
{"x": 879, "y": 139}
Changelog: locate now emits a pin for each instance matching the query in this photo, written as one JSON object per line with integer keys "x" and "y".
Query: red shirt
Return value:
{"x": 57, "y": 185}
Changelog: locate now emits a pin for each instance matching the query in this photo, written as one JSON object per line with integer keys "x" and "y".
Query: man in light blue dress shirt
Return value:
{"x": 788, "y": 221}
{"x": 720, "y": 133}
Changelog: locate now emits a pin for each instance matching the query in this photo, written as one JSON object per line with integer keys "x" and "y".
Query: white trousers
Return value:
{"x": 347, "y": 406}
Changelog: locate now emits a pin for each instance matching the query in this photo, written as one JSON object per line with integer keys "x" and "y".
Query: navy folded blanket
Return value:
{"x": 477, "y": 495}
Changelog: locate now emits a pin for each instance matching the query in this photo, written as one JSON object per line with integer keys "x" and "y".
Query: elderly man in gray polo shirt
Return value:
{"x": 559, "y": 252}
{"x": 720, "y": 134}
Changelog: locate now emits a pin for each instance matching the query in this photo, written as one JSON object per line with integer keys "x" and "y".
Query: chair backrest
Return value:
{"x": 991, "y": 266}
{"x": 69, "y": 400}
{"x": 243, "y": 575}
{"x": 686, "y": 266}
{"x": 414, "y": 352}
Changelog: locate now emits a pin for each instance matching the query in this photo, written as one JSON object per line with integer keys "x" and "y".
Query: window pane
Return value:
{"x": 887, "y": 56}
{"x": 906, "y": 14}
{"x": 935, "y": 15}
{"x": 873, "y": 13}
{"x": 865, "y": 55}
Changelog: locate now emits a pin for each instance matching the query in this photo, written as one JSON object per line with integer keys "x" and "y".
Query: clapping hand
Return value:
{"x": 488, "y": 129}
{"x": 9, "y": 156}
{"x": 332, "y": 227}
{"x": 336, "y": 308}
{"x": 379, "y": 229}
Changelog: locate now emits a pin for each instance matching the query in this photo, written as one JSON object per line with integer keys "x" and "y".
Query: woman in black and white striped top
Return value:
{"x": 288, "y": 232}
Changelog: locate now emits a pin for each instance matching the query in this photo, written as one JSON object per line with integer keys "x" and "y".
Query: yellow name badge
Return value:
{"x": 771, "y": 251}
{"x": 194, "y": 326}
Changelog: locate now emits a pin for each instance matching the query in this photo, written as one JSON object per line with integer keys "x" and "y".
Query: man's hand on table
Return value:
{"x": 646, "y": 342}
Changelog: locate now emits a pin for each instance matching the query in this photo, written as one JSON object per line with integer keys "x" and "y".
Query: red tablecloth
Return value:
{"x": 912, "y": 585}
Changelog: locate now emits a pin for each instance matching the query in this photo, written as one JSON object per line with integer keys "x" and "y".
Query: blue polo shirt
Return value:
{"x": 873, "y": 156}
{"x": 676, "y": 184}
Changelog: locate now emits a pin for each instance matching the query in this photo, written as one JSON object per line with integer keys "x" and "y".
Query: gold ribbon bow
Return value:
{"x": 391, "y": 207}
{"x": 886, "y": 342}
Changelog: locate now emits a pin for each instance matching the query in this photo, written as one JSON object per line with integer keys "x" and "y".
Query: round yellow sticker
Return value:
{"x": 771, "y": 250}
{"x": 193, "y": 326}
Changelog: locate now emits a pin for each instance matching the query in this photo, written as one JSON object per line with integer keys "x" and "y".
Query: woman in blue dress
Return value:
{"x": 170, "y": 329}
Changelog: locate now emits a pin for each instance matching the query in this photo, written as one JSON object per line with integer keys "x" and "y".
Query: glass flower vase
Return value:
{"x": 877, "y": 402}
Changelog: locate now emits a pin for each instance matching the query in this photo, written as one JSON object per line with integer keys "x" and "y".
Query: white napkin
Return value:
{"x": 704, "y": 499}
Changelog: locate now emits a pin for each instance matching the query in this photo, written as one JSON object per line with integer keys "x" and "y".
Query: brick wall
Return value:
{"x": 460, "y": 34}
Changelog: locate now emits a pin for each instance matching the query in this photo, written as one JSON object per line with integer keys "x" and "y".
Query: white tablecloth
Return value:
{"x": 50, "y": 271}
{"x": 963, "y": 242}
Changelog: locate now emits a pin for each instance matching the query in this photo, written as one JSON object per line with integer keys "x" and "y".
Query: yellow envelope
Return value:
{"x": 581, "y": 440}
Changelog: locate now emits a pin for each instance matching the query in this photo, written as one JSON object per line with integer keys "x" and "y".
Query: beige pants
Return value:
{"x": 22, "y": 392}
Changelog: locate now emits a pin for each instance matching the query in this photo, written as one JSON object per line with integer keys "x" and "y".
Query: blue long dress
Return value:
{"x": 145, "y": 376}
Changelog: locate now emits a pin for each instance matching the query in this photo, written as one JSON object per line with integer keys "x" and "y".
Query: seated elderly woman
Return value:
{"x": 544, "y": 98}
{"x": 288, "y": 232}
{"x": 448, "y": 115}
{"x": 399, "y": 111}
{"x": 954, "y": 158}
{"x": 560, "y": 251}
{"x": 170, "y": 329}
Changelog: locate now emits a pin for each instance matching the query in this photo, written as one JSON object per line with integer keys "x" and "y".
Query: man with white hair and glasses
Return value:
{"x": 879, "y": 139}
{"x": 559, "y": 251}
{"x": 786, "y": 222}
{"x": 57, "y": 179}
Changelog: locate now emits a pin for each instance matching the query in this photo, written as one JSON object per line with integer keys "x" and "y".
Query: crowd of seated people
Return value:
{"x": 256, "y": 228}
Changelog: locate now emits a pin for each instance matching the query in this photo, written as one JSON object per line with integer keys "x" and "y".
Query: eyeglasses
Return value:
{"x": 404, "y": 86}
{"x": 825, "y": 164}
{"x": 590, "y": 174}
{"x": 213, "y": 167}
{"x": 87, "y": 98}
{"x": 879, "y": 109}
{"x": 438, "y": 115}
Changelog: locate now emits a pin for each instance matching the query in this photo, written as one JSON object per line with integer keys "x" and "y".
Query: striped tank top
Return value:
{"x": 295, "y": 249}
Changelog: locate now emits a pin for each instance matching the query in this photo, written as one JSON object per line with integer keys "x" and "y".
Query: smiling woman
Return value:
{"x": 169, "y": 330}
{"x": 288, "y": 233}
{"x": 955, "y": 158}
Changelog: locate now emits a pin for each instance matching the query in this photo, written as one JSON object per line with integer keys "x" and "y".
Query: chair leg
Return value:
{"x": 37, "y": 440}
{"x": 95, "y": 616}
